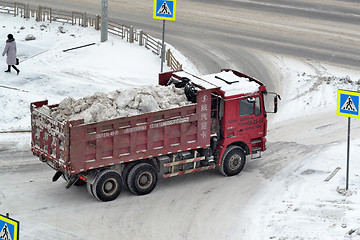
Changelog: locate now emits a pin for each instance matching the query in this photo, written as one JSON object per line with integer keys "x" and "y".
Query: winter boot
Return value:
{"x": 17, "y": 70}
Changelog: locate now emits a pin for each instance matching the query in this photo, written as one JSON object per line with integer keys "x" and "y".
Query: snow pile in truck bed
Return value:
{"x": 120, "y": 103}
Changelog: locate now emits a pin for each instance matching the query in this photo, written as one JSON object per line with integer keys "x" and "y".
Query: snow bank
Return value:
{"x": 311, "y": 87}
{"x": 120, "y": 103}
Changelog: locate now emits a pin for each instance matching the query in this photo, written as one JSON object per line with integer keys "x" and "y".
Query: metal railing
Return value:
{"x": 42, "y": 13}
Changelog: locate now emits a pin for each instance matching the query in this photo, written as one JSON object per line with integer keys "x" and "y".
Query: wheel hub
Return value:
{"x": 145, "y": 180}
{"x": 235, "y": 162}
{"x": 109, "y": 186}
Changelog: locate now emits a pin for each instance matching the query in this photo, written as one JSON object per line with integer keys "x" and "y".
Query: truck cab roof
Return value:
{"x": 229, "y": 82}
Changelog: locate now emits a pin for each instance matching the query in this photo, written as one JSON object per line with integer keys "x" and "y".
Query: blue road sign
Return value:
{"x": 164, "y": 9}
{"x": 9, "y": 228}
{"x": 348, "y": 104}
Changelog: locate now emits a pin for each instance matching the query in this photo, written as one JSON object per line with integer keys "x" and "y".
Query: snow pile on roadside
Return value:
{"x": 312, "y": 87}
{"x": 325, "y": 84}
{"x": 120, "y": 103}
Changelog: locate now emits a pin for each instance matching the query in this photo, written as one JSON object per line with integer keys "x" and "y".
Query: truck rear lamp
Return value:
{"x": 83, "y": 178}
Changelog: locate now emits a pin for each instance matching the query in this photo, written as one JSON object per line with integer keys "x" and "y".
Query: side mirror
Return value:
{"x": 276, "y": 98}
{"x": 275, "y": 104}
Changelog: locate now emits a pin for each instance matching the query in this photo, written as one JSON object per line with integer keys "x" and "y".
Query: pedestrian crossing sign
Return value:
{"x": 9, "y": 228}
{"x": 348, "y": 103}
{"x": 164, "y": 9}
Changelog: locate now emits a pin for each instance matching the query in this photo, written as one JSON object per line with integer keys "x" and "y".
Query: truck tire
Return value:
{"x": 126, "y": 172}
{"x": 107, "y": 185}
{"x": 233, "y": 161}
{"x": 89, "y": 188}
{"x": 142, "y": 179}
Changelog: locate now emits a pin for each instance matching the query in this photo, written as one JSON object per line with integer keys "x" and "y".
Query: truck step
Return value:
{"x": 189, "y": 171}
{"x": 256, "y": 153}
{"x": 184, "y": 161}
{"x": 255, "y": 141}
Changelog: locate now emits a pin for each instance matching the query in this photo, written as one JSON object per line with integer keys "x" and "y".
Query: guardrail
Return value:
{"x": 42, "y": 13}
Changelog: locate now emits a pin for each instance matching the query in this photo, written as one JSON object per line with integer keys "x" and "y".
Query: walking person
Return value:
{"x": 10, "y": 51}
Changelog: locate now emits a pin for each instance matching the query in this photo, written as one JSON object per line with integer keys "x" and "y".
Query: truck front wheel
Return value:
{"x": 142, "y": 179}
{"x": 233, "y": 161}
{"x": 107, "y": 186}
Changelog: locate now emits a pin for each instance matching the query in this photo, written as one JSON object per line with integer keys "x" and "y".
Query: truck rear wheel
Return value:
{"x": 89, "y": 187}
{"x": 107, "y": 186}
{"x": 126, "y": 172}
{"x": 233, "y": 161}
{"x": 142, "y": 179}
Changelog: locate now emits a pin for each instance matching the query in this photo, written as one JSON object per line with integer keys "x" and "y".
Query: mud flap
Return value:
{"x": 57, "y": 176}
{"x": 72, "y": 180}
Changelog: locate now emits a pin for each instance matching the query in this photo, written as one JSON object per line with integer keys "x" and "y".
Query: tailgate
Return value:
{"x": 48, "y": 139}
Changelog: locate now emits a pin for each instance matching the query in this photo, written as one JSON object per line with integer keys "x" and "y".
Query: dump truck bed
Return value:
{"x": 73, "y": 147}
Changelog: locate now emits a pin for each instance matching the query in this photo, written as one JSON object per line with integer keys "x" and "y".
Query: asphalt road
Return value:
{"x": 239, "y": 34}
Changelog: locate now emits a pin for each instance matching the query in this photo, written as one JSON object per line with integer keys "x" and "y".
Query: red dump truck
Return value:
{"x": 225, "y": 122}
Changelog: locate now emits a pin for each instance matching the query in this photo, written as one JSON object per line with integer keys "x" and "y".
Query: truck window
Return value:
{"x": 257, "y": 106}
{"x": 249, "y": 106}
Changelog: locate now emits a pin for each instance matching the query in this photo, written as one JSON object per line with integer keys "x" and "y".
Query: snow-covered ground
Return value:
{"x": 283, "y": 195}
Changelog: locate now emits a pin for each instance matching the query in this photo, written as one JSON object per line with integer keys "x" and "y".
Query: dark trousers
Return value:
{"x": 9, "y": 68}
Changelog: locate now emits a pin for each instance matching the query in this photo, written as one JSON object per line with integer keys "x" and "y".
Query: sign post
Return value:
{"x": 104, "y": 20}
{"x": 348, "y": 106}
{"x": 164, "y": 10}
{"x": 163, "y": 48}
{"x": 348, "y": 156}
{"x": 9, "y": 228}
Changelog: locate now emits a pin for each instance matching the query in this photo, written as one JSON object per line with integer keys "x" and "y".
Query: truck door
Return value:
{"x": 251, "y": 121}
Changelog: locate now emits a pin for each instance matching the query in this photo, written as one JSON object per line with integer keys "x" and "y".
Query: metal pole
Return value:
{"x": 348, "y": 156}
{"x": 104, "y": 20}
{"x": 141, "y": 38}
{"x": 131, "y": 34}
{"x": 163, "y": 48}
{"x": 27, "y": 13}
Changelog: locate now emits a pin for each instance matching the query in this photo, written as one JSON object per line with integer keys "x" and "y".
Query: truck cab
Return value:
{"x": 238, "y": 115}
